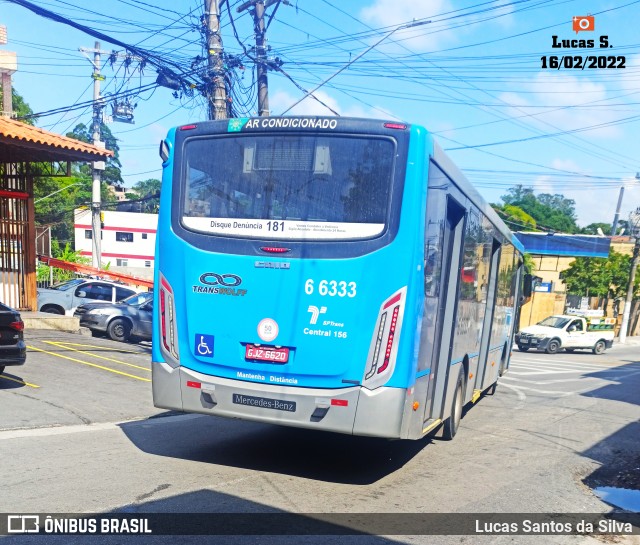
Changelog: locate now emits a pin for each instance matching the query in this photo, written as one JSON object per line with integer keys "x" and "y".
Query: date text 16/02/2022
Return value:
{"x": 558, "y": 62}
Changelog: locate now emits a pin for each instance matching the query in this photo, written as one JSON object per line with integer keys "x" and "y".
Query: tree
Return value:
{"x": 20, "y": 107}
{"x": 554, "y": 212}
{"x": 592, "y": 229}
{"x": 598, "y": 276}
{"x": 515, "y": 217}
{"x": 150, "y": 190}
{"x": 112, "y": 174}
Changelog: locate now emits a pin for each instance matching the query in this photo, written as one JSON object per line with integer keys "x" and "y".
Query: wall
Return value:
{"x": 540, "y": 306}
{"x": 128, "y": 239}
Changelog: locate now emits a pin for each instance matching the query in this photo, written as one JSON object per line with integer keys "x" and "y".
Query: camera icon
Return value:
{"x": 584, "y": 23}
{"x": 23, "y": 524}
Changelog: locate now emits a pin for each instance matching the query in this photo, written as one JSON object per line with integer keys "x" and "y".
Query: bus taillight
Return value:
{"x": 381, "y": 363}
{"x": 168, "y": 328}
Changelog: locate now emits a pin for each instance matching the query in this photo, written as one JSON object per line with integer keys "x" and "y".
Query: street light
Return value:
{"x": 401, "y": 27}
{"x": 617, "y": 216}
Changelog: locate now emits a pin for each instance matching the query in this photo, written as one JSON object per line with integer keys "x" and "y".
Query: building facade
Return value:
{"x": 128, "y": 240}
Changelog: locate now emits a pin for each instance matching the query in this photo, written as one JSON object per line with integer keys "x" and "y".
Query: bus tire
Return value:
{"x": 553, "y": 347}
{"x": 119, "y": 330}
{"x": 599, "y": 347}
{"x": 452, "y": 423}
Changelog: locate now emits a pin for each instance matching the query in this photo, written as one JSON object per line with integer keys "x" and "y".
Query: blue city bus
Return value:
{"x": 329, "y": 273}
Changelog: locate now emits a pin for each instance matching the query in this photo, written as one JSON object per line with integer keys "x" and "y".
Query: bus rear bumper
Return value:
{"x": 352, "y": 410}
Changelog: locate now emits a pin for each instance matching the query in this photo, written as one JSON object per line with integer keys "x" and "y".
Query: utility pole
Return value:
{"x": 98, "y": 166}
{"x": 261, "y": 56}
{"x": 217, "y": 92}
{"x": 634, "y": 224}
{"x": 261, "y": 50}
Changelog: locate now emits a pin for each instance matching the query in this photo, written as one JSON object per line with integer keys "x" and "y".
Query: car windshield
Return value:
{"x": 138, "y": 298}
{"x": 555, "y": 321}
{"x": 64, "y": 286}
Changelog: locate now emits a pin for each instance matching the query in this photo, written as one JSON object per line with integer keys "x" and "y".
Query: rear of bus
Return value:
{"x": 289, "y": 276}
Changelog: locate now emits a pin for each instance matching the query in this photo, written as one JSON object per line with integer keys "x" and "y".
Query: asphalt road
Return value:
{"x": 79, "y": 434}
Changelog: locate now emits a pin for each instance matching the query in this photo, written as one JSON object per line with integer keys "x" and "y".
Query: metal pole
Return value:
{"x": 617, "y": 216}
{"x": 50, "y": 267}
{"x": 218, "y": 102}
{"x": 635, "y": 230}
{"x": 97, "y": 165}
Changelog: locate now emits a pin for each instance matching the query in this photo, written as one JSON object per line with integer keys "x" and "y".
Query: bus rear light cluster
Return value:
{"x": 380, "y": 364}
{"x": 168, "y": 329}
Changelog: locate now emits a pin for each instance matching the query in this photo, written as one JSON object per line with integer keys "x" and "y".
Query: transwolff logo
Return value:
{"x": 219, "y": 284}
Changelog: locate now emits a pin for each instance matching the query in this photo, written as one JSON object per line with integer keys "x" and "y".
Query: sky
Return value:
{"x": 472, "y": 73}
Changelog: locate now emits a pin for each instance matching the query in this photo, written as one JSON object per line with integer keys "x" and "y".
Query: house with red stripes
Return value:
{"x": 128, "y": 240}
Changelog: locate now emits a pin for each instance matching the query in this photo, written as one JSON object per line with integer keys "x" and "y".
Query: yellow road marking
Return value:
{"x": 106, "y": 348}
{"x": 19, "y": 381}
{"x": 63, "y": 345}
{"x": 89, "y": 364}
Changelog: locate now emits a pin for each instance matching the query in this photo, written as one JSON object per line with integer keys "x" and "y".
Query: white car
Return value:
{"x": 65, "y": 297}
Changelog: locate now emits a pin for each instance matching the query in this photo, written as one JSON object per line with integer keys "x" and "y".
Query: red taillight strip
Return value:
{"x": 392, "y": 301}
{"x": 165, "y": 284}
{"x": 340, "y": 402}
{"x": 188, "y": 127}
{"x": 392, "y": 334}
{"x": 193, "y": 384}
{"x": 376, "y": 352}
{"x": 163, "y": 319}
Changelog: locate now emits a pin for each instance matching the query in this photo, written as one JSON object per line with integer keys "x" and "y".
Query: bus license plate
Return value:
{"x": 274, "y": 355}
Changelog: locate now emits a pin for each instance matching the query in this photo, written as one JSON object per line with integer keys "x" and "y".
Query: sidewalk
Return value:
{"x": 45, "y": 320}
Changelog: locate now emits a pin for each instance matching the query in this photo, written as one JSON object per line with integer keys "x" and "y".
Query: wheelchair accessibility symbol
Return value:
{"x": 204, "y": 345}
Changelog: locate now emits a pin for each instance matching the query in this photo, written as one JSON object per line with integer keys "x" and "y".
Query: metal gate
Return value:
{"x": 15, "y": 242}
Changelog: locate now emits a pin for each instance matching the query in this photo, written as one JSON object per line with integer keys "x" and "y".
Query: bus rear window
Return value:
{"x": 288, "y": 187}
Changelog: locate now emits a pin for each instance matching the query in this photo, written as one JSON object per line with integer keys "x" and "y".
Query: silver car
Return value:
{"x": 130, "y": 319}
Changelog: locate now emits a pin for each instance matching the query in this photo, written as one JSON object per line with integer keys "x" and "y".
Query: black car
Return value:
{"x": 13, "y": 351}
{"x": 130, "y": 319}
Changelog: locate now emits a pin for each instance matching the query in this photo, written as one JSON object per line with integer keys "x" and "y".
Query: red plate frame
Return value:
{"x": 268, "y": 354}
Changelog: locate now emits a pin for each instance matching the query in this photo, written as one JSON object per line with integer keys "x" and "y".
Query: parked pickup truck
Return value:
{"x": 570, "y": 333}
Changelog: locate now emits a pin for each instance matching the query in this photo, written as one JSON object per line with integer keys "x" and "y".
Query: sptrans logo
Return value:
{"x": 584, "y": 23}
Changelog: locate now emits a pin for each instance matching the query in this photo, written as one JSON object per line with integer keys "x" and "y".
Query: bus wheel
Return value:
{"x": 553, "y": 346}
{"x": 599, "y": 347}
{"x": 452, "y": 423}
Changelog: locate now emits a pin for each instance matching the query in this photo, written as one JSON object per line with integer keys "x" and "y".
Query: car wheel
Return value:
{"x": 599, "y": 347}
{"x": 119, "y": 330}
{"x": 553, "y": 346}
{"x": 523, "y": 348}
{"x": 452, "y": 423}
{"x": 52, "y": 309}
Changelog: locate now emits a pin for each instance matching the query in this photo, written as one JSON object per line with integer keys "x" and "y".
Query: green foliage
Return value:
{"x": 549, "y": 211}
{"x": 147, "y": 188}
{"x": 66, "y": 254}
{"x": 592, "y": 229}
{"x": 529, "y": 265}
{"x": 515, "y": 217}
{"x": 20, "y": 107}
{"x": 599, "y": 276}
{"x": 112, "y": 174}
